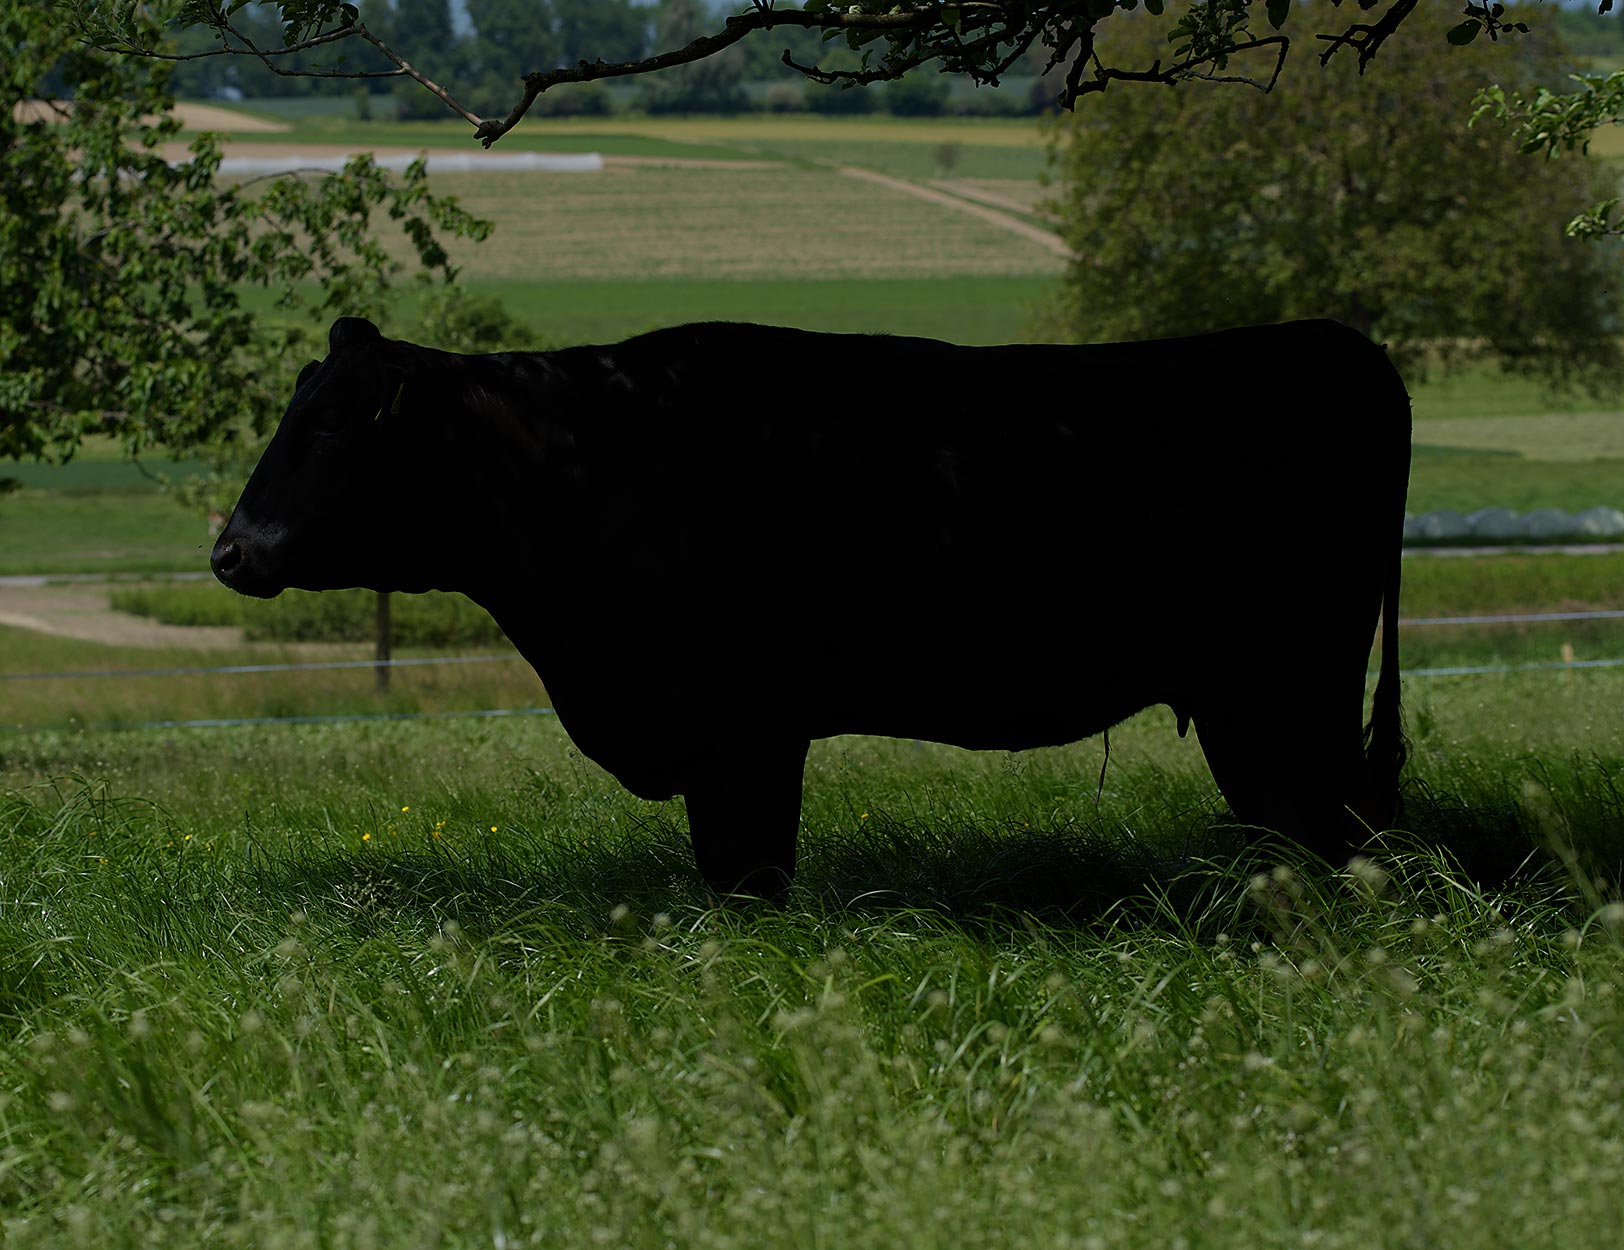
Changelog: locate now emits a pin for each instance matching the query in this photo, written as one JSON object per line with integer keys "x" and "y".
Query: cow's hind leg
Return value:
{"x": 744, "y": 810}
{"x": 1297, "y": 774}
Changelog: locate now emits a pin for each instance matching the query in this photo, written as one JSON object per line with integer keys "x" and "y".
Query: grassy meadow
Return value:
{"x": 422, "y": 986}
{"x": 441, "y": 982}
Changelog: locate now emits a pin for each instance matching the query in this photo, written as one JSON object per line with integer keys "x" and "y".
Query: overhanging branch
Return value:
{"x": 982, "y": 39}
{"x": 1367, "y": 37}
{"x": 735, "y": 29}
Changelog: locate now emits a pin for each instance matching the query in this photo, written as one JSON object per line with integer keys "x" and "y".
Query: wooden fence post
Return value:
{"x": 384, "y": 641}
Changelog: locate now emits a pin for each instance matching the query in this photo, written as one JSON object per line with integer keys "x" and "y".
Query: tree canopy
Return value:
{"x": 1242, "y": 41}
{"x": 123, "y": 261}
{"x": 1194, "y": 209}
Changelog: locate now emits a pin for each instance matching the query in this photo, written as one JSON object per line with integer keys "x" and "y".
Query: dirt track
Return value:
{"x": 83, "y": 612}
{"x": 988, "y": 213}
{"x": 207, "y": 117}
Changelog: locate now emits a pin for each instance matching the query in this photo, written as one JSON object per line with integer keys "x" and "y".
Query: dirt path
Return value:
{"x": 84, "y": 612}
{"x": 1038, "y": 235}
{"x": 208, "y": 117}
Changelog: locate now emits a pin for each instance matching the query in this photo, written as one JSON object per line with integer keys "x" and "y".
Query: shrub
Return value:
{"x": 842, "y": 100}
{"x": 199, "y": 604}
{"x": 585, "y": 99}
{"x": 430, "y": 620}
{"x": 920, "y": 94}
{"x": 785, "y": 97}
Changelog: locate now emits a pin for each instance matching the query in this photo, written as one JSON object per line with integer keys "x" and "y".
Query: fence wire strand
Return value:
{"x": 222, "y": 722}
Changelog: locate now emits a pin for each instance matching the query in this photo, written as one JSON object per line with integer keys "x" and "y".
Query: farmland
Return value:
{"x": 427, "y": 982}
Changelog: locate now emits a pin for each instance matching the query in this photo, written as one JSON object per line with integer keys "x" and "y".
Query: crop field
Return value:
{"x": 658, "y": 222}
{"x": 350, "y": 967}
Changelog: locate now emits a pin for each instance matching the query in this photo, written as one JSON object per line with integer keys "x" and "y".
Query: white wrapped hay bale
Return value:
{"x": 1544, "y": 524}
{"x": 1495, "y": 524}
{"x": 1444, "y": 525}
{"x": 1599, "y": 523}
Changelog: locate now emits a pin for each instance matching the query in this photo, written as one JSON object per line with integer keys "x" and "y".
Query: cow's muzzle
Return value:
{"x": 233, "y": 564}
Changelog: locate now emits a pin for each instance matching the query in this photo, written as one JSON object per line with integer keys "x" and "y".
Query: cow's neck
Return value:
{"x": 502, "y": 407}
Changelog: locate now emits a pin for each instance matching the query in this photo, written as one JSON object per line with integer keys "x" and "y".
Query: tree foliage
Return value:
{"x": 1370, "y": 201}
{"x": 122, "y": 273}
{"x": 1557, "y": 122}
{"x": 1226, "y": 40}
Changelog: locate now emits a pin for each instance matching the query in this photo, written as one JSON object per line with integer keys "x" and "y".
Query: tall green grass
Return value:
{"x": 332, "y": 992}
{"x": 77, "y": 685}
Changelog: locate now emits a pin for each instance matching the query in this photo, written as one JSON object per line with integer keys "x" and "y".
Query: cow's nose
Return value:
{"x": 225, "y": 559}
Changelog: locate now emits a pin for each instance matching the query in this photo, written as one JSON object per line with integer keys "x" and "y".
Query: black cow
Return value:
{"x": 716, "y": 543}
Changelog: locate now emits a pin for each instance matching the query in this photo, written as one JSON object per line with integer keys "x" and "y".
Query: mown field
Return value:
{"x": 441, "y": 982}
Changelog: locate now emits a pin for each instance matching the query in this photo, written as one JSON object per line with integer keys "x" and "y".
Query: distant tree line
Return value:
{"x": 488, "y": 52}
{"x": 1361, "y": 197}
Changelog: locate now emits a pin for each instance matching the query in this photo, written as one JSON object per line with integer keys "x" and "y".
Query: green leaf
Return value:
{"x": 1155, "y": 7}
{"x": 1463, "y": 34}
{"x": 1098, "y": 9}
{"x": 1277, "y": 10}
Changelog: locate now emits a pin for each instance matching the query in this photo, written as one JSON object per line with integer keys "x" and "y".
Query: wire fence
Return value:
{"x": 1464, "y": 670}
{"x": 263, "y": 668}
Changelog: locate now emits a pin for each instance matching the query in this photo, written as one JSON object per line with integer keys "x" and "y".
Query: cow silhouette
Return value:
{"x": 716, "y": 543}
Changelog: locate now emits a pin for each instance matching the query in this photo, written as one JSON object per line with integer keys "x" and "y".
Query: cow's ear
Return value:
{"x": 305, "y": 374}
{"x": 351, "y": 332}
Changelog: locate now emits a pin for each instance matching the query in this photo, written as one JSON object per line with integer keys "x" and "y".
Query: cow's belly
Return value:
{"x": 1004, "y": 707}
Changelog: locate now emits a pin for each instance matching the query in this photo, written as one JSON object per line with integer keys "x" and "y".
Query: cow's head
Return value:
{"x": 337, "y": 498}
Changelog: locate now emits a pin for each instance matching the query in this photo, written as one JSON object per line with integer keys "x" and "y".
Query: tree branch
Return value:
{"x": 1367, "y": 37}
{"x": 735, "y": 29}
{"x": 1105, "y": 75}
{"x": 982, "y": 39}
{"x": 433, "y": 87}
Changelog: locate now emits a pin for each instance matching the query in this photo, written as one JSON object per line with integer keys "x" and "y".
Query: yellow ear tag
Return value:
{"x": 394, "y": 408}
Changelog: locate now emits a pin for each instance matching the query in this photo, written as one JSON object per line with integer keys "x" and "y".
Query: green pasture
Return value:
{"x": 968, "y": 310}
{"x": 556, "y": 313}
{"x": 129, "y": 530}
{"x": 426, "y": 985}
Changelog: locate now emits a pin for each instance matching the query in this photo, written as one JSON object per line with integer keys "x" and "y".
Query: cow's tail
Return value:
{"x": 1386, "y": 747}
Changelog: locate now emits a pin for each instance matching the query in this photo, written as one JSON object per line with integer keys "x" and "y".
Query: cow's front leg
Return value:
{"x": 744, "y": 810}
